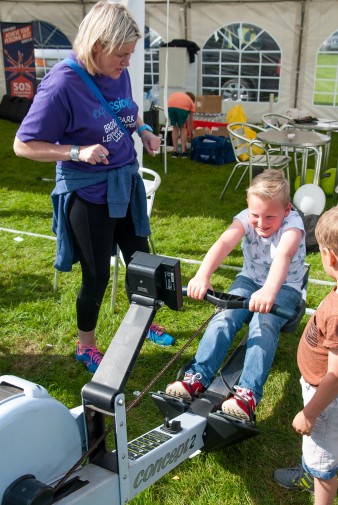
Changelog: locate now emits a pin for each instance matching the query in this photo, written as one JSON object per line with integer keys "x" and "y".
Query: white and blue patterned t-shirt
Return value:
{"x": 258, "y": 252}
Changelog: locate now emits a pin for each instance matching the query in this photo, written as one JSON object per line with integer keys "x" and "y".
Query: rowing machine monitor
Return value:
{"x": 155, "y": 277}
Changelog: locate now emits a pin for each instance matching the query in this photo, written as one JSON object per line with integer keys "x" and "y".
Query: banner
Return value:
{"x": 19, "y": 61}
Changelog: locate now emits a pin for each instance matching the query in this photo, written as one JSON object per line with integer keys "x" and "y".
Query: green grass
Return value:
{"x": 38, "y": 326}
{"x": 325, "y": 83}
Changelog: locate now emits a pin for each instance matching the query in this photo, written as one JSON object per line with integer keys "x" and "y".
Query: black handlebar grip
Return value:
{"x": 243, "y": 303}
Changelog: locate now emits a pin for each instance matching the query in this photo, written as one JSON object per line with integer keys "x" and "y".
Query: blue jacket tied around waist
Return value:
{"x": 124, "y": 187}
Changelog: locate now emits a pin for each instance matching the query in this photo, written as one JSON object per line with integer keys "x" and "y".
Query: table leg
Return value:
{"x": 335, "y": 190}
{"x": 326, "y": 152}
{"x": 318, "y": 156}
{"x": 318, "y": 165}
{"x": 304, "y": 165}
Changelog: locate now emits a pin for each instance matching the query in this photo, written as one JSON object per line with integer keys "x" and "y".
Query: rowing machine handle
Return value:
{"x": 228, "y": 301}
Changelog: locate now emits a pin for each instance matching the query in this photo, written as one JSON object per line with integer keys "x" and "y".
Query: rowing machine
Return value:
{"x": 43, "y": 443}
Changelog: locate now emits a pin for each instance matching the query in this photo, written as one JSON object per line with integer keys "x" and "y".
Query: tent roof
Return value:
{"x": 181, "y": 3}
{"x": 299, "y": 27}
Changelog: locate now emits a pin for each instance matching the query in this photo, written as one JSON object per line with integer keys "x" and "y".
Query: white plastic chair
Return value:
{"x": 244, "y": 146}
{"x": 151, "y": 186}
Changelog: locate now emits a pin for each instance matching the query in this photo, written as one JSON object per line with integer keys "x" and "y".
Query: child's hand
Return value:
{"x": 197, "y": 288}
{"x": 302, "y": 424}
{"x": 261, "y": 301}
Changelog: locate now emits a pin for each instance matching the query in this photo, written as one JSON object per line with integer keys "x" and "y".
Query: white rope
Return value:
{"x": 323, "y": 283}
{"x": 198, "y": 262}
{"x": 19, "y": 232}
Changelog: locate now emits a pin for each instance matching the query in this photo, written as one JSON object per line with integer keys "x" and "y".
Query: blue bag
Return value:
{"x": 212, "y": 150}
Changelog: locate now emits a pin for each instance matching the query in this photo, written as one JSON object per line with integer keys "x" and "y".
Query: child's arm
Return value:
{"x": 263, "y": 299}
{"x": 326, "y": 392}
{"x": 199, "y": 284}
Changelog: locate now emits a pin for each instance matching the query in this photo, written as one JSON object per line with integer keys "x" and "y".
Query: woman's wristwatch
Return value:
{"x": 74, "y": 153}
{"x": 144, "y": 127}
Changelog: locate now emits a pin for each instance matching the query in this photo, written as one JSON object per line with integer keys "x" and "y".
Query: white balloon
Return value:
{"x": 310, "y": 199}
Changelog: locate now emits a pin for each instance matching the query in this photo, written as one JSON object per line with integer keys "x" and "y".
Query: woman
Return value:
{"x": 99, "y": 198}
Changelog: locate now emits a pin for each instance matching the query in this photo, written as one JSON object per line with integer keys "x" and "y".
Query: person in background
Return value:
{"x": 99, "y": 199}
{"x": 181, "y": 108}
{"x": 273, "y": 245}
{"x": 317, "y": 359}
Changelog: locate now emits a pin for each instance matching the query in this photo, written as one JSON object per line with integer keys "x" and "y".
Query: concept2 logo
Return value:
{"x": 162, "y": 463}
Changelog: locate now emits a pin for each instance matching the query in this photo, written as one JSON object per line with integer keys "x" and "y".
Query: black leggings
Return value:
{"x": 94, "y": 234}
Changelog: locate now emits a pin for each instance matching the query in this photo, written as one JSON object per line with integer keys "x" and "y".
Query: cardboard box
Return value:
{"x": 219, "y": 131}
{"x": 198, "y": 132}
{"x": 209, "y": 104}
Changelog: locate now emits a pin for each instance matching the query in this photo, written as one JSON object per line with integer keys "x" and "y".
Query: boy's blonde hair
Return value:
{"x": 269, "y": 185}
{"x": 327, "y": 230}
{"x": 108, "y": 24}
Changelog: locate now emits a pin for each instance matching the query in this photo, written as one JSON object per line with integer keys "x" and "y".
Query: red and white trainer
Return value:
{"x": 241, "y": 404}
{"x": 187, "y": 389}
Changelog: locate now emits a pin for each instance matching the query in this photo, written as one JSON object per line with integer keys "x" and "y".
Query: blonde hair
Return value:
{"x": 108, "y": 24}
{"x": 269, "y": 185}
{"x": 327, "y": 230}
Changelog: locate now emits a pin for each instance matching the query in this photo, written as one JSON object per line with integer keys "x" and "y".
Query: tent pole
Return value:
{"x": 299, "y": 57}
{"x": 185, "y": 17}
{"x": 165, "y": 94}
{"x": 83, "y": 8}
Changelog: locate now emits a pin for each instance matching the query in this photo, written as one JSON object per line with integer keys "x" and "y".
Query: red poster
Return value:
{"x": 19, "y": 62}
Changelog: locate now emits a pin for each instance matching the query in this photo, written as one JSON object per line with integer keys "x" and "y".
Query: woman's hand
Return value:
{"x": 39, "y": 150}
{"x": 151, "y": 143}
{"x": 94, "y": 154}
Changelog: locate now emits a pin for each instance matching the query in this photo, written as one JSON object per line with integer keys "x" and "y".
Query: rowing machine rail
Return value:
{"x": 41, "y": 439}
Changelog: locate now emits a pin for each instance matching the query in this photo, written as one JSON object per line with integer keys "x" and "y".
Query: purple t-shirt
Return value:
{"x": 65, "y": 111}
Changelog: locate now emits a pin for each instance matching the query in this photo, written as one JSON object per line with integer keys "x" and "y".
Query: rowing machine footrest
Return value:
{"x": 223, "y": 430}
{"x": 169, "y": 406}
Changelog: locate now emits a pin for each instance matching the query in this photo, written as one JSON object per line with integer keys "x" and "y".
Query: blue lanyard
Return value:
{"x": 92, "y": 86}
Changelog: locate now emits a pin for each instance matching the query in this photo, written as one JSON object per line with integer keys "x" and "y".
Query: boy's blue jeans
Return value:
{"x": 262, "y": 340}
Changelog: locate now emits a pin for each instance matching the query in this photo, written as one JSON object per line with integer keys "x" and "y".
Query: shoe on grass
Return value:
{"x": 158, "y": 335}
{"x": 91, "y": 358}
{"x": 184, "y": 156}
{"x": 294, "y": 478}
{"x": 241, "y": 405}
{"x": 187, "y": 389}
{"x": 174, "y": 154}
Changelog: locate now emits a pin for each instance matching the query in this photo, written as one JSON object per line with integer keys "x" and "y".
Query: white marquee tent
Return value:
{"x": 299, "y": 27}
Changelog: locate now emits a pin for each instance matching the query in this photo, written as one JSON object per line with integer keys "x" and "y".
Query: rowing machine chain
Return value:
{"x": 135, "y": 402}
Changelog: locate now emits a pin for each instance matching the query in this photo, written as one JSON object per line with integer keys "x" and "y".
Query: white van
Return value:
{"x": 45, "y": 59}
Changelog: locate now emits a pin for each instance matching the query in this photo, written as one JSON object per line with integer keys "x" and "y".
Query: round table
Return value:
{"x": 301, "y": 139}
{"x": 326, "y": 126}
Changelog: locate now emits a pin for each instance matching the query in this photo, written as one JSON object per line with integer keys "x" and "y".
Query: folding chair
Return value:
{"x": 250, "y": 153}
{"x": 277, "y": 121}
